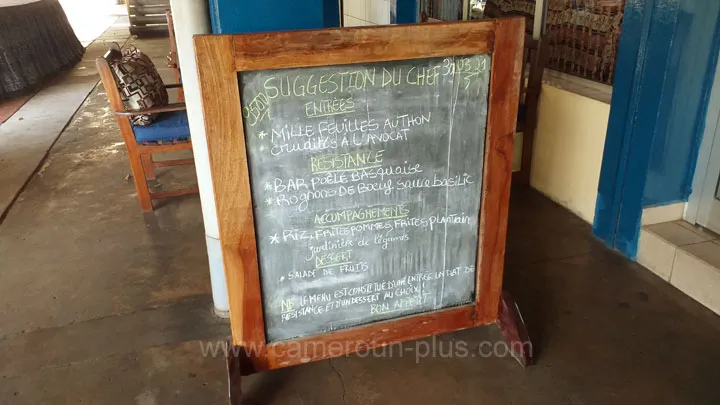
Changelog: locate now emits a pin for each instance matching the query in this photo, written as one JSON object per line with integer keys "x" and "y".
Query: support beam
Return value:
{"x": 540, "y": 16}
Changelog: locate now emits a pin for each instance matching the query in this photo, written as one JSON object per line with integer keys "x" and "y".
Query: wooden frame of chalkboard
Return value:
{"x": 221, "y": 57}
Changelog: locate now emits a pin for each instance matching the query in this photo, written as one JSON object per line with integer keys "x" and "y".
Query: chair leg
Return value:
{"x": 139, "y": 176}
{"x": 527, "y": 154}
{"x": 180, "y": 92}
{"x": 148, "y": 166}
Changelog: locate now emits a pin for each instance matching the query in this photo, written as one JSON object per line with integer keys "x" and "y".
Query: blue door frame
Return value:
{"x": 244, "y": 16}
{"x": 666, "y": 58}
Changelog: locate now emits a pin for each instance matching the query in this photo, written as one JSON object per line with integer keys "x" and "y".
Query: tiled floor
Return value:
{"x": 686, "y": 256}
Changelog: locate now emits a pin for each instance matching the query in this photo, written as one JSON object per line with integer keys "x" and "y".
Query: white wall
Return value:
{"x": 366, "y": 12}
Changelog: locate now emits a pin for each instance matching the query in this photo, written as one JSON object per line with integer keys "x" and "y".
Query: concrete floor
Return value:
{"x": 101, "y": 304}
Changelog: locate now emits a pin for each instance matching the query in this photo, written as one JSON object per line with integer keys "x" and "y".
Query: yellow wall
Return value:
{"x": 569, "y": 143}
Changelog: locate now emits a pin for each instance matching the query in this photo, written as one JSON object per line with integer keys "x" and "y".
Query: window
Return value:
{"x": 584, "y": 37}
{"x": 583, "y": 34}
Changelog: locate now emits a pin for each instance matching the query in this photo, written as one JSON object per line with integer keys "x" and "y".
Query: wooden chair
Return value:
{"x": 142, "y": 141}
{"x": 535, "y": 57}
{"x": 173, "y": 56}
{"x": 424, "y": 18}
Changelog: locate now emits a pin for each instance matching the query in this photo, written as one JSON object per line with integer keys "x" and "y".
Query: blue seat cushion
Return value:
{"x": 167, "y": 127}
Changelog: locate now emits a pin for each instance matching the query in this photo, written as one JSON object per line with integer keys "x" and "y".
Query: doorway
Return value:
{"x": 704, "y": 203}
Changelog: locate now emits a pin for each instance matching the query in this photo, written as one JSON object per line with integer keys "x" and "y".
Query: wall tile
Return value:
{"x": 697, "y": 279}
{"x": 656, "y": 254}
{"x": 663, "y": 213}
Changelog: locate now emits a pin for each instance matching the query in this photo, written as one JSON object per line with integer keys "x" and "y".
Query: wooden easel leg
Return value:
{"x": 513, "y": 329}
{"x": 234, "y": 374}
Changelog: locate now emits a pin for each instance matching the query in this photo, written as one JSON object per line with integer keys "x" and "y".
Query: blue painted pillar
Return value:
{"x": 625, "y": 98}
{"x": 666, "y": 61}
{"x": 243, "y": 16}
{"x": 407, "y": 12}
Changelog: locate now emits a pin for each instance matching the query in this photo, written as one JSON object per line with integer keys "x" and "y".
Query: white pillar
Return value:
{"x": 539, "y": 20}
{"x": 191, "y": 17}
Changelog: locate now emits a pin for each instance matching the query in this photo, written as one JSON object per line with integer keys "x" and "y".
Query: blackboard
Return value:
{"x": 366, "y": 189}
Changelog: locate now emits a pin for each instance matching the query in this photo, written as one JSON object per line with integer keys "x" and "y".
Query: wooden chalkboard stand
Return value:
{"x": 234, "y": 370}
{"x": 513, "y": 328}
{"x": 221, "y": 57}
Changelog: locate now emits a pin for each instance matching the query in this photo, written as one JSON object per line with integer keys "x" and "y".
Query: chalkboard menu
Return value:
{"x": 366, "y": 189}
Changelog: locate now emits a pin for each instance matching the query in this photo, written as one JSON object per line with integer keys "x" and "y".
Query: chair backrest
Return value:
{"x": 172, "y": 56}
{"x": 535, "y": 56}
{"x": 110, "y": 84}
{"x": 108, "y": 78}
{"x": 425, "y": 19}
